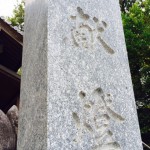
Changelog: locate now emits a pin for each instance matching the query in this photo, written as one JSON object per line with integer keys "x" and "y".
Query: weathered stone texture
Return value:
{"x": 12, "y": 115}
{"x": 91, "y": 104}
{"x": 7, "y": 135}
{"x": 32, "y": 132}
{"x": 76, "y": 91}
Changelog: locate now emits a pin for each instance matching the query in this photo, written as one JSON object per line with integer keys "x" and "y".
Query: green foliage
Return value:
{"x": 19, "y": 72}
{"x": 137, "y": 33}
{"x": 126, "y": 4}
{"x": 18, "y": 16}
{"x": 136, "y": 23}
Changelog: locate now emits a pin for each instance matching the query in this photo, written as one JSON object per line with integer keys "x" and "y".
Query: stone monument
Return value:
{"x": 76, "y": 91}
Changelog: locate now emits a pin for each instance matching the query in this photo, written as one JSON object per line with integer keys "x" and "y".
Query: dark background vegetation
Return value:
{"x": 136, "y": 22}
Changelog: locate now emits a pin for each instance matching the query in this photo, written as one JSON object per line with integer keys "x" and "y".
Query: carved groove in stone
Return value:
{"x": 76, "y": 118}
{"x": 85, "y": 35}
{"x": 107, "y": 48}
{"x": 82, "y": 94}
{"x": 94, "y": 118}
{"x": 82, "y": 15}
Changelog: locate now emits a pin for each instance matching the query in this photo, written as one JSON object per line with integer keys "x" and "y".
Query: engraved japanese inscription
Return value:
{"x": 85, "y": 34}
{"x": 97, "y": 111}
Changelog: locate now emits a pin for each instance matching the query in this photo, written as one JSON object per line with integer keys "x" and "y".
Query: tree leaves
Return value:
{"x": 18, "y": 16}
{"x": 137, "y": 32}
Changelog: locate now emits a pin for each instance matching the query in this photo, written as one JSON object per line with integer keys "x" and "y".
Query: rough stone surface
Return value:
{"x": 7, "y": 136}
{"x": 12, "y": 115}
{"x": 91, "y": 104}
{"x": 76, "y": 92}
{"x": 32, "y": 128}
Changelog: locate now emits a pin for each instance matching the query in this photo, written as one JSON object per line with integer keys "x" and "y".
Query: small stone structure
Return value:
{"x": 8, "y": 129}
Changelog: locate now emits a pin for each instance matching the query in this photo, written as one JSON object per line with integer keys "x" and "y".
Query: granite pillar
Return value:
{"x": 76, "y": 91}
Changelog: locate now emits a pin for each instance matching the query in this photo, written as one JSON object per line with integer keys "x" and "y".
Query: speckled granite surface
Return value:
{"x": 76, "y": 86}
{"x": 32, "y": 126}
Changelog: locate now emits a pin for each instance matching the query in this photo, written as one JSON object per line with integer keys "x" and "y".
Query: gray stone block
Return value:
{"x": 12, "y": 115}
{"x": 76, "y": 91}
{"x": 7, "y": 136}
